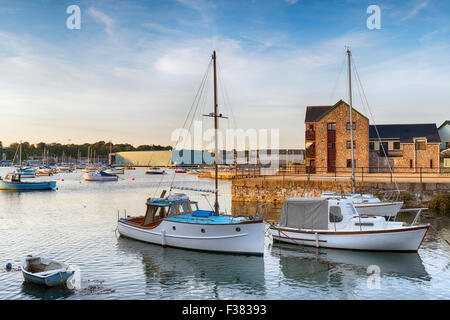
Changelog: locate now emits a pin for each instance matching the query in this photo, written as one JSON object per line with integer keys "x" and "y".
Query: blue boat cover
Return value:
{"x": 106, "y": 174}
{"x": 202, "y": 213}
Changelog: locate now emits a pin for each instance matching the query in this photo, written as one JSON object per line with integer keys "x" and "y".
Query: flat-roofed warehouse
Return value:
{"x": 142, "y": 158}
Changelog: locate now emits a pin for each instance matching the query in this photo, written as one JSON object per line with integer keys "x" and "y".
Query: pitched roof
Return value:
{"x": 444, "y": 123}
{"x": 315, "y": 113}
{"x": 405, "y": 132}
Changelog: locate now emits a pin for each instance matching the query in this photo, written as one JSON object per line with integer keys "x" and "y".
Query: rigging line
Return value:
{"x": 227, "y": 98}
{"x": 194, "y": 103}
{"x": 195, "y": 98}
{"x": 373, "y": 120}
{"x": 337, "y": 80}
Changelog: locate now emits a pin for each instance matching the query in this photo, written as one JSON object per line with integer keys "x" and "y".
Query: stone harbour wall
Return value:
{"x": 259, "y": 190}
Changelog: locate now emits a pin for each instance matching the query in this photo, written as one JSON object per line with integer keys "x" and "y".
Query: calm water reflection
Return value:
{"x": 77, "y": 224}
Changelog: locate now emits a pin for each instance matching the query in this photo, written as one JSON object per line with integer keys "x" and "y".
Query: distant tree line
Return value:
{"x": 52, "y": 150}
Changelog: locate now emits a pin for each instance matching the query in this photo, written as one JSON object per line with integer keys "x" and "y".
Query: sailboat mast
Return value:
{"x": 351, "y": 116}
{"x": 216, "y": 204}
{"x": 20, "y": 154}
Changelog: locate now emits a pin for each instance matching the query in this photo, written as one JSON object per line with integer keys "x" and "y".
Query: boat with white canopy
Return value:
{"x": 335, "y": 223}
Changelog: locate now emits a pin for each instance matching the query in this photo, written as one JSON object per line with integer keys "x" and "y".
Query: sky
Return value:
{"x": 132, "y": 70}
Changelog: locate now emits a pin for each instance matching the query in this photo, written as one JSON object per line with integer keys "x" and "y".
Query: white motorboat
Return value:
{"x": 176, "y": 221}
{"x": 100, "y": 176}
{"x": 114, "y": 170}
{"x": 335, "y": 223}
{"x": 368, "y": 204}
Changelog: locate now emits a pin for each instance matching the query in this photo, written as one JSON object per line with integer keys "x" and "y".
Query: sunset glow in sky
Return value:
{"x": 130, "y": 73}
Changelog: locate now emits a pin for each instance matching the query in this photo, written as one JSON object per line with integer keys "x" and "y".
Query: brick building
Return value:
{"x": 404, "y": 147}
{"x": 328, "y": 138}
{"x": 400, "y": 147}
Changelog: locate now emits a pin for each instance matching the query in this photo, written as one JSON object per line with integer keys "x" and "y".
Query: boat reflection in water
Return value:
{"x": 299, "y": 265}
{"x": 178, "y": 267}
{"x": 36, "y": 291}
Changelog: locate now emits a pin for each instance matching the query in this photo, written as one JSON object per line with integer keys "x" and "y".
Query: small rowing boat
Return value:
{"x": 155, "y": 171}
{"x": 180, "y": 171}
{"x": 47, "y": 272}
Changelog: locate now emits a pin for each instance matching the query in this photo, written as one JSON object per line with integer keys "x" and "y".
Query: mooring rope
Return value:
{"x": 316, "y": 255}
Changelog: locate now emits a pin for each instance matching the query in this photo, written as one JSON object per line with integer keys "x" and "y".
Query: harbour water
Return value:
{"x": 76, "y": 223}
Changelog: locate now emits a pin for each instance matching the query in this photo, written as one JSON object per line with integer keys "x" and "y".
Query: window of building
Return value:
{"x": 431, "y": 163}
{"x": 421, "y": 145}
{"x": 335, "y": 214}
{"x": 396, "y": 145}
{"x": 349, "y": 144}
{"x": 371, "y": 145}
{"x": 349, "y": 163}
{"x": 332, "y": 126}
{"x": 348, "y": 126}
{"x": 331, "y": 145}
{"x": 410, "y": 163}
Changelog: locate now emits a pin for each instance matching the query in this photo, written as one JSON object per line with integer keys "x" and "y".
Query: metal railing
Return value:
{"x": 368, "y": 174}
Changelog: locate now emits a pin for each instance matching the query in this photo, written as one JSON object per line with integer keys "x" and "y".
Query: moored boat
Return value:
{"x": 26, "y": 172}
{"x": 13, "y": 181}
{"x": 100, "y": 176}
{"x": 155, "y": 171}
{"x": 180, "y": 171}
{"x": 46, "y": 272}
{"x": 368, "y": 204}
{"x": 335, "y": 223}
{"x": 114, "y": 170}
{"x": 176, "y": 221}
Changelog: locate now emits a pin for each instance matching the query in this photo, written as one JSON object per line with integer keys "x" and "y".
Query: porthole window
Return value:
{"x": 238, "y": 229}
{"x": 173, "y": 228}
{"x": 203, "y": 230}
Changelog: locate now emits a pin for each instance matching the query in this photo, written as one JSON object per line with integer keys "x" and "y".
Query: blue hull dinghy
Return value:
{"x": 46, "y": 272}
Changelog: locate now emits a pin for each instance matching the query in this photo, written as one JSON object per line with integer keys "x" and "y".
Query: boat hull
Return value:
{"x": 47, "y": 185}
{"x": 406, "y": 239}
{"x": 50, "y": 278}
{"x": 88, "y": 177}
{"x": 378, "y": 209}
{"x": 219, "y": 238}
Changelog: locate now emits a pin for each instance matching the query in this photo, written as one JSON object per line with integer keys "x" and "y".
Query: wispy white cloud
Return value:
{"x": 103, "y": 18}
{"x": 422, "y": 5}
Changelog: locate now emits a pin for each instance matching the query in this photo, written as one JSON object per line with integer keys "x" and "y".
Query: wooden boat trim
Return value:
{"x": 300, "y": 239}
{"x": 155, "y": 224}
{"x": 352, "y": 232}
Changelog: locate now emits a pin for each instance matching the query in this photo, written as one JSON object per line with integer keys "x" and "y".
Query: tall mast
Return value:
{"x": 351, "y": 117}
{"x": 216, "y": 204}
{"x": 20, "y": 154}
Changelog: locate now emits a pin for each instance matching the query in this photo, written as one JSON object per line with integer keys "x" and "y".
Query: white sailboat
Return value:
{"x": 335, "y": 223}
{"x": 368, "y": 204}
{"x": 176, "y": 221}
